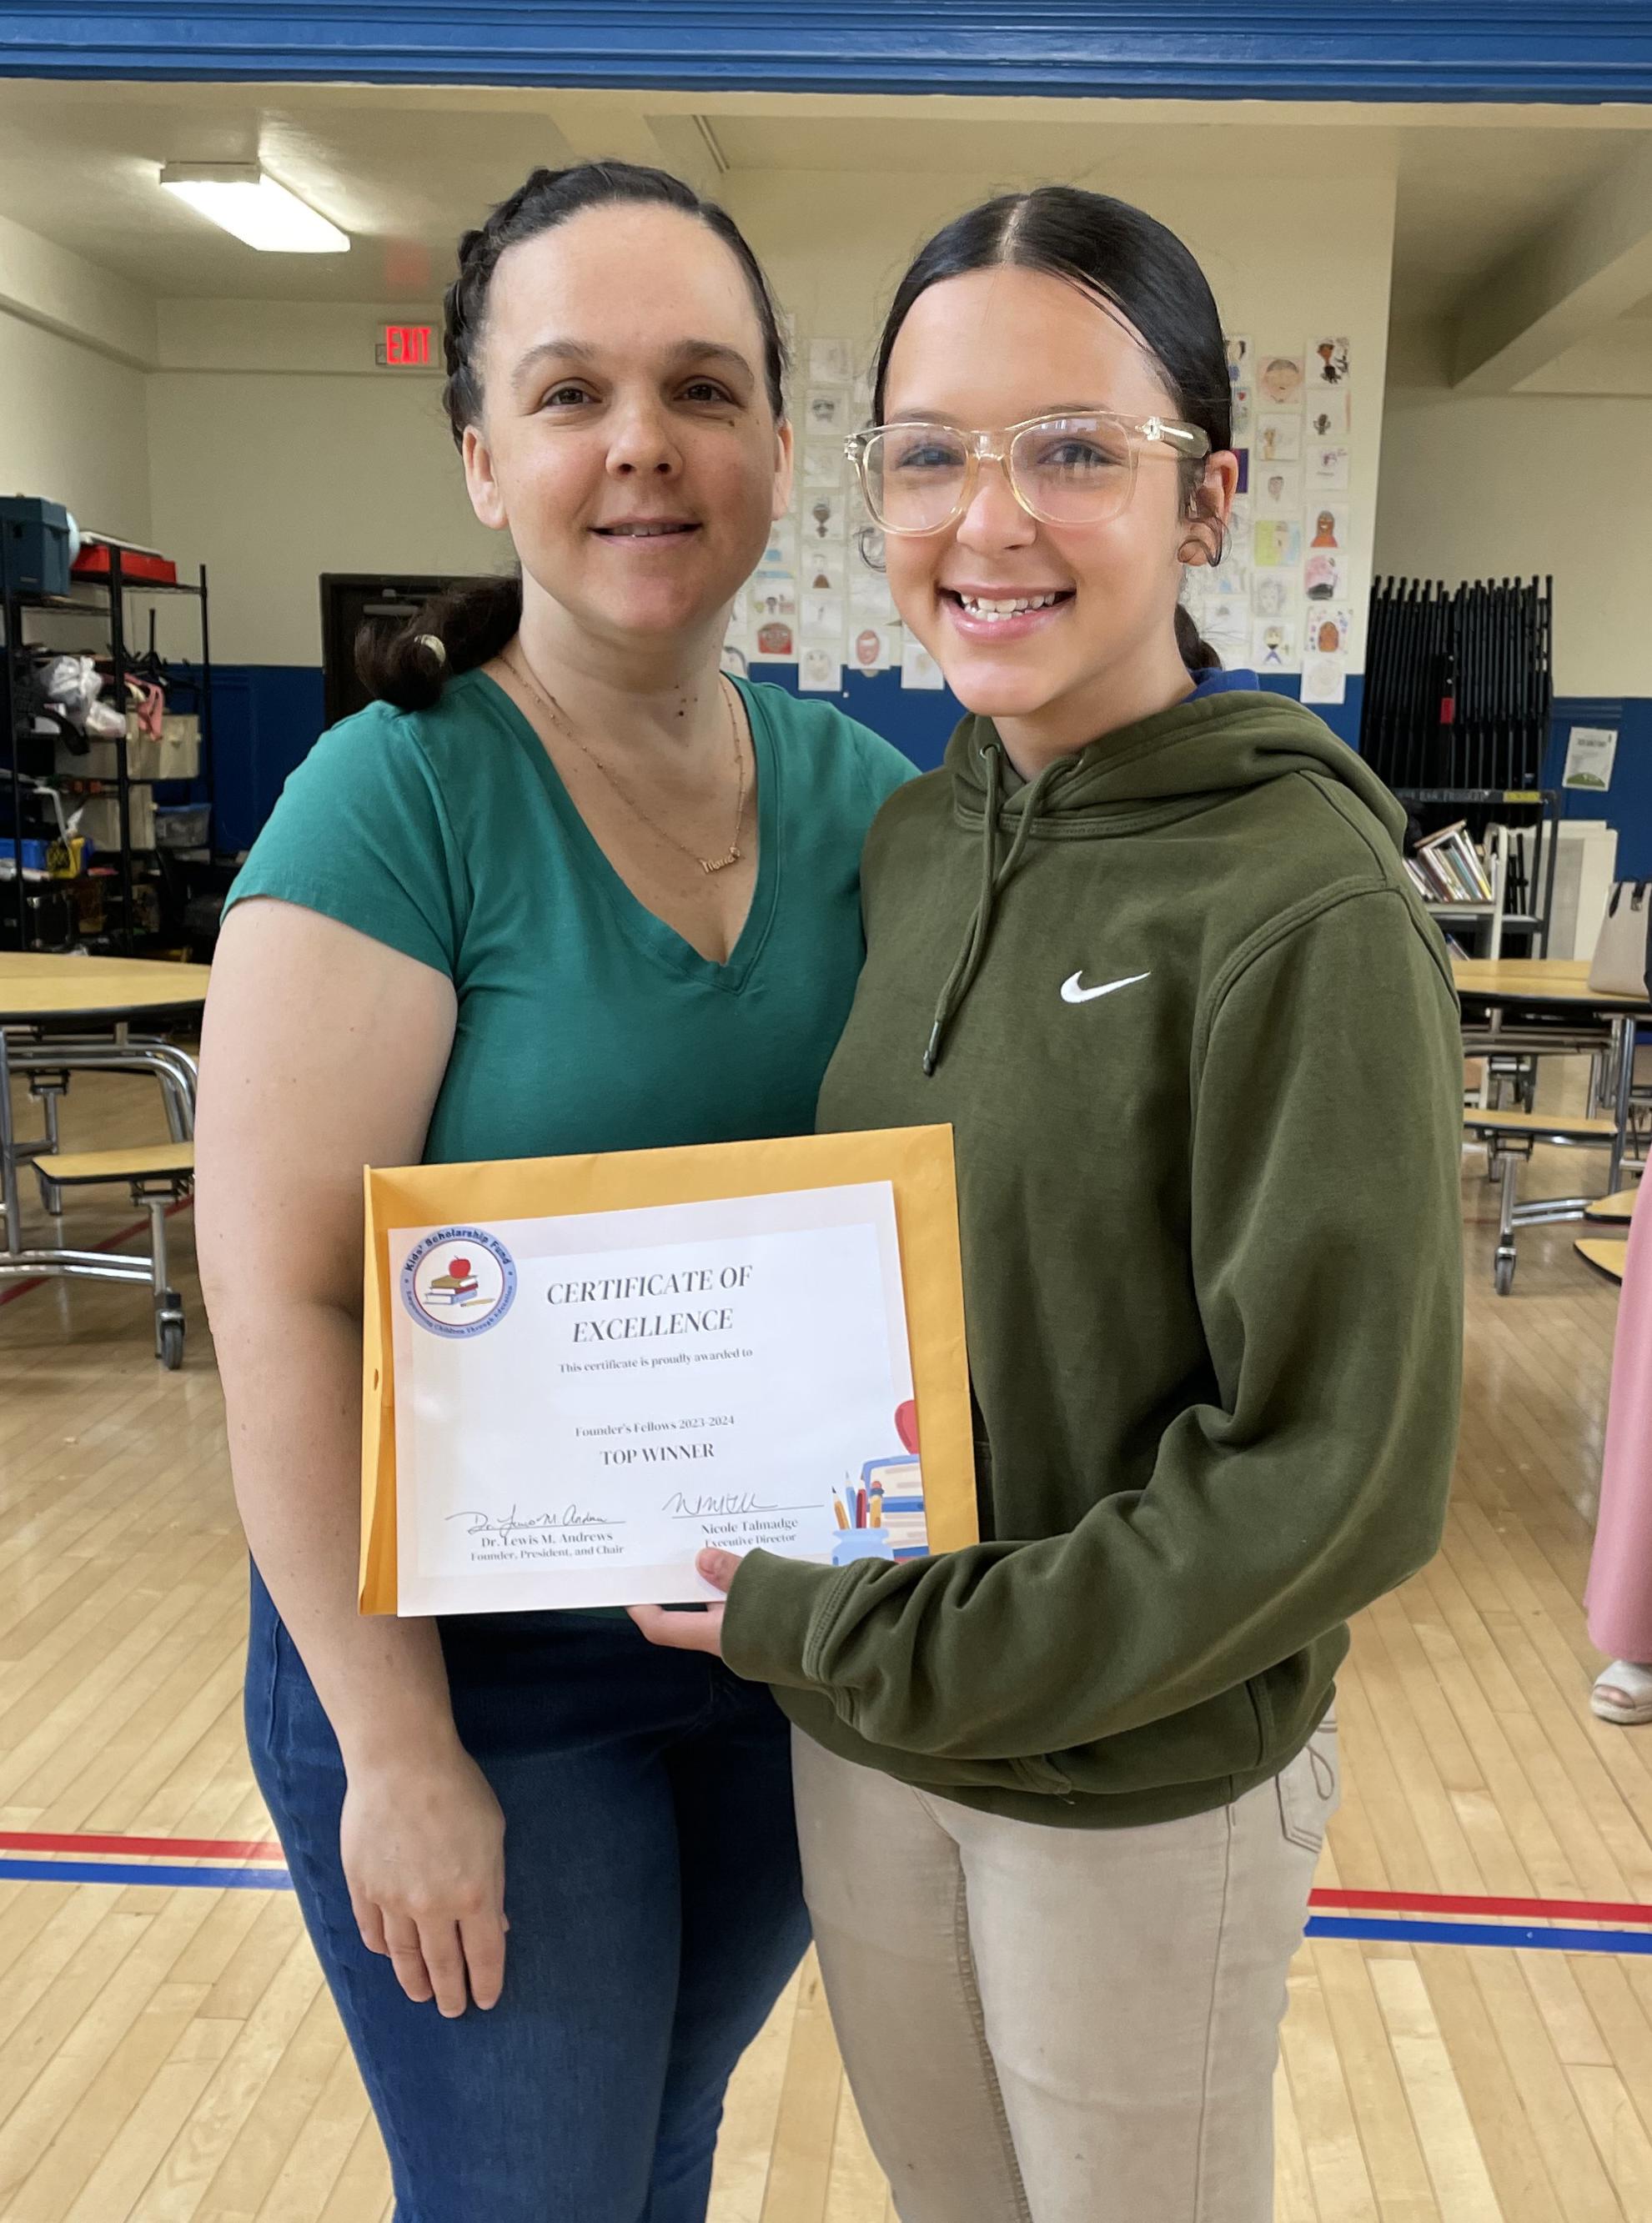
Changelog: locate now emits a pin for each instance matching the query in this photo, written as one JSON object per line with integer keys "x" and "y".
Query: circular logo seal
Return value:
{"x": 458, "y": 1281}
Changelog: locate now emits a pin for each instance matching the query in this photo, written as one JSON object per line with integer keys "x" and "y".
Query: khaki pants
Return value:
{"x": 1052, "y": 2025}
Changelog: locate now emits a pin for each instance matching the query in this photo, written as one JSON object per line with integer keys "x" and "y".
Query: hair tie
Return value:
{"x": 434, "y": 643}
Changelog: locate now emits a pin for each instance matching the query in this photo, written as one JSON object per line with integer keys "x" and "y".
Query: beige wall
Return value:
{"x": 1522, "y": 485}
{"x": 272, "y": 479}
{"x": 73, "y": 429}
{"x": 275, "y": 478}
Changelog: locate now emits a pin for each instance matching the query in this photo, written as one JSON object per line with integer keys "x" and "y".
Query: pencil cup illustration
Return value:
{"x": 849, "y": 1544}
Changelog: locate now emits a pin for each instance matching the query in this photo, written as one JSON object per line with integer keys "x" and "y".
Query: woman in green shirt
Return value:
{"x": 564, "y": 888}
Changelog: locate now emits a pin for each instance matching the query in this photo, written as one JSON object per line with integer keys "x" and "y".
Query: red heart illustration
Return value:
{"x": 906, "y": 1426}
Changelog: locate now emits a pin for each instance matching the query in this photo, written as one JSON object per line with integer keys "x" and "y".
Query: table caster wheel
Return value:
{"x": 1502, "y": 1275}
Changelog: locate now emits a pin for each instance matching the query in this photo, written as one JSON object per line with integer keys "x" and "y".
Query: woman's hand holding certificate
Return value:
{"x": 693, "y": 1632}
{"x": 582, "y": 1373}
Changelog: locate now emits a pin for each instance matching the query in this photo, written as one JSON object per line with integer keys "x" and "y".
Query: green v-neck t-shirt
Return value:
{"x": 584, "y": 1022}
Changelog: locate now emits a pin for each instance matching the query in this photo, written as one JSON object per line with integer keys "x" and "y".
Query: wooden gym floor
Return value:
{"x": 169, "y": 2055}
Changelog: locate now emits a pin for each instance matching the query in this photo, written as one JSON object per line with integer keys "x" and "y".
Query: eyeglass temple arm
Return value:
{"x": 1187, "y": 437}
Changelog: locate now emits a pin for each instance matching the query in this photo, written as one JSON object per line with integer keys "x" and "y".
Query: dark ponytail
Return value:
{"x": 1196, "y": 652}
{"x": 473, "y": 623}
{"x": 470, "y": 624}
{"x": 1124, "y": 257}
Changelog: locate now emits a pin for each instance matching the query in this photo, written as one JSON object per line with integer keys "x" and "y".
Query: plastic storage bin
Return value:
{"x": 188, "y": 825}
{"x": 36, "y": 544}
{"x": 100, "y": 818}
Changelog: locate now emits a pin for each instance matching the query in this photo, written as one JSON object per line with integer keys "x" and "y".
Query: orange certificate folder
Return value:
{"x": 578, "y": 1371}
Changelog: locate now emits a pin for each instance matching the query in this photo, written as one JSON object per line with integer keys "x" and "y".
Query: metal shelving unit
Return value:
{"x": 105, "y": 598}
{"x": 1493, "y": 919}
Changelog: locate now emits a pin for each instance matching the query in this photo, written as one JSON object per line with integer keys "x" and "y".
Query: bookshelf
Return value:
{"x": 1488, "y": 814}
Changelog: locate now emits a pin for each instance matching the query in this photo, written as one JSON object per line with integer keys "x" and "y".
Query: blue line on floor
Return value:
{"x": 1515, "y": 1934}
{"x": 124, "y": 1872}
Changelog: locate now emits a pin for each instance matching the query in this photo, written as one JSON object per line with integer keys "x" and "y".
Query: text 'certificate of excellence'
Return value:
{"x": 581, "y": 1372}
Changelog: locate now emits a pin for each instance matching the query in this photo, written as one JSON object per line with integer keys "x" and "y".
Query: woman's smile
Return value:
{"x": 650, "y": 535}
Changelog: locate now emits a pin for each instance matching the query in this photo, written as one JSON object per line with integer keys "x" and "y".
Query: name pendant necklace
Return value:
{"x": 710, "y": 866}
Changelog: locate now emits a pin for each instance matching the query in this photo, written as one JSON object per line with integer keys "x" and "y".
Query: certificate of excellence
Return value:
{"x": 565, "y": 1406}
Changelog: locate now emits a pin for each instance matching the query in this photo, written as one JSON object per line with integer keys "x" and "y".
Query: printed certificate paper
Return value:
{"x": 577, "y": 1400}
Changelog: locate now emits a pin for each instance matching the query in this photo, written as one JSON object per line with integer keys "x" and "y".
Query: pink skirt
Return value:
{"x": 1619, "y": 1593}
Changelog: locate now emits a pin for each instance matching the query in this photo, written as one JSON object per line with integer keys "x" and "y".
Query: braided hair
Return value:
{"x": 472, "y": 622}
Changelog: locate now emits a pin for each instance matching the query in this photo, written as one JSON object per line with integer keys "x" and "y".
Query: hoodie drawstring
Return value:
{"x": 994, "y": 878}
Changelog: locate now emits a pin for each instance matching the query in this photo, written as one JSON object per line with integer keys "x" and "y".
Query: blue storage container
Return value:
{"x": 36, "y": 537}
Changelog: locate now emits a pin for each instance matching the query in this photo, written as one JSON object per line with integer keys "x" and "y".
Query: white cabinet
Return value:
{"x": 1585, "y": 864}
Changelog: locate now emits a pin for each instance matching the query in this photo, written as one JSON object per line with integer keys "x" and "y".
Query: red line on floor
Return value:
{"x": 1526, "y": 1910}
{"x": 206, "y": 1848}
{"x": 110, "y": 1243}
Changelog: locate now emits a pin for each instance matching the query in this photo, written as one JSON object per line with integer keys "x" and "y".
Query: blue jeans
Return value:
{"x": 651, "y": 1879}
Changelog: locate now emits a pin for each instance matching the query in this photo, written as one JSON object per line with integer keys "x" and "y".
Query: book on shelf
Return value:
{"x": 1420, "y": 880}
{"x": 1437, "y": 886}
{"x": 1453, "y": 848}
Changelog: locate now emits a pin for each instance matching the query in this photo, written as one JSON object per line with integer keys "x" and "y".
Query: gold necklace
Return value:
{"x": 559, "y": 718}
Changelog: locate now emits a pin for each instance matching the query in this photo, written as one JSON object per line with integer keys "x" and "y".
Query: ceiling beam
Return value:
{"x": 1593, "y": 263}
{"x": 615, "y": 126}
{"x": 1609, "y": 365}
{"x": 45, "y": 285}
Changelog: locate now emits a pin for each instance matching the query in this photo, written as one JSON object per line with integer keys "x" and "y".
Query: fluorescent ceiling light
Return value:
{"x": 239, "y": 197}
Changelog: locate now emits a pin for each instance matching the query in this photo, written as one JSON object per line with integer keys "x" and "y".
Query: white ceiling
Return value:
{"x": 404, "y": 170}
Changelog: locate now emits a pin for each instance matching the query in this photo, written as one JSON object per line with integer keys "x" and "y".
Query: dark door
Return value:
{"x": 350, "y": 599}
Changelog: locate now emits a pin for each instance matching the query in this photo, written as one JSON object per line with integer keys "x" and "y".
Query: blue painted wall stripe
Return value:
{"x": 266, "y": 718}
{"x": 1371, "y": 50}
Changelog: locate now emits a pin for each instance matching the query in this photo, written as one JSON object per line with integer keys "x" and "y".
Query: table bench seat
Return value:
{"x": 1617, "y": 1209}
{"x": 135, "y": 1162}
{"x": 1605, "y": 1255}
{"x": 1540, "y": 1126}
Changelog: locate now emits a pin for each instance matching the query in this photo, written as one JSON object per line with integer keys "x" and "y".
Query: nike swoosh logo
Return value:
{"x": 1072, "y": 993}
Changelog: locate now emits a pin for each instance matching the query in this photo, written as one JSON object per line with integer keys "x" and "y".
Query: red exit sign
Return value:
{"x": 403, "y": 347}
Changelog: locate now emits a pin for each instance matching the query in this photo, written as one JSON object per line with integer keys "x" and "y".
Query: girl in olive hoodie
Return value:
{"x": 1145, "y": 942}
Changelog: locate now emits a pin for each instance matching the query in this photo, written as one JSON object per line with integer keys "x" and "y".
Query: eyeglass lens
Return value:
{"x": 1067, "y": 470}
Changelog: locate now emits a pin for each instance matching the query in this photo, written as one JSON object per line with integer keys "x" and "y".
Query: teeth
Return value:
{"x": 994, "y": 611}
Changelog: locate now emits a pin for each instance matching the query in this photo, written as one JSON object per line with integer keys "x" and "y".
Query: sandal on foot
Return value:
{"x": 1622, "y": 1693}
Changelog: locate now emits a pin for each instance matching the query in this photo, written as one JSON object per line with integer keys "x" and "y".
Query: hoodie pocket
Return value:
{"x": 1037, "y": 1773}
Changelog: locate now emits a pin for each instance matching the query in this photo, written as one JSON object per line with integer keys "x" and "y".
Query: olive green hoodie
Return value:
{"x": 1197, "y": 1040}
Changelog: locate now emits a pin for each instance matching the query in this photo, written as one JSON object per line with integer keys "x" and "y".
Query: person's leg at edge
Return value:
{"x": 1619, "y": 1597}
{"x": 885, "y": 1891}
{"x": 744, "y": 1925}
{"x": 1133, "y": 1983}
{"x": 546, "y": 2109}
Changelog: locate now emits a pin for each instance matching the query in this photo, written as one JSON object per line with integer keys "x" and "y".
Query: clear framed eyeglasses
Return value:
{"x": 1075, "y": 469}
